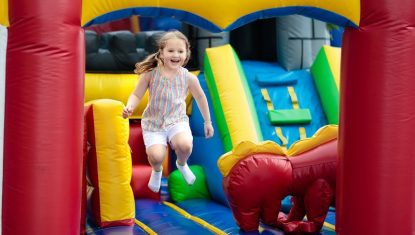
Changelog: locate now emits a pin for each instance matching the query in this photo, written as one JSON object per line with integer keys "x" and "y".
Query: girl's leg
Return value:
{"x": 182, "y": 143}
{"x": 156, "y": 154}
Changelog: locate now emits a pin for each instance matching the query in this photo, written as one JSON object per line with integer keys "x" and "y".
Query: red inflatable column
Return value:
{"x": 376, "y": 188}
{"x": 43, "y": 118}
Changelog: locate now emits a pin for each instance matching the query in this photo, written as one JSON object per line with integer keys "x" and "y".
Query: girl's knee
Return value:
{"x": 156, "y": 155}
{"x": 184, "y": 147}
{"x": 155, "y": 159}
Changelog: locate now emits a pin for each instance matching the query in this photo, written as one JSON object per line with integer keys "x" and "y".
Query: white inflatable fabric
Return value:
{"x": 3, "y": 46}
{"x": 207, "y": 39}
{"x": 299, "y": 39}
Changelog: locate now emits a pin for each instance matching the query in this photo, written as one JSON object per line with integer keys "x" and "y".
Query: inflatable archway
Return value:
{"x": 218, "y": 15}
{"x": 44, "y": 105}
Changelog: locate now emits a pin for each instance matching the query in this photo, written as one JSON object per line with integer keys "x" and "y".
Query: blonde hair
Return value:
{"x": 153, "y": 60}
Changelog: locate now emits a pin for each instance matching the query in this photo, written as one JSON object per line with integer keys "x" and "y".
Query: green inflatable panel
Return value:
{"x": 289, "y": 116}
{"x": 179, "y": 190}
{"x": 324, "y": 78}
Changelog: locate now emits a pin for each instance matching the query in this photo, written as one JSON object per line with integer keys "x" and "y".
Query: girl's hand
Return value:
{"x": 127, "y": 111}
{"x": 208, "y": 130}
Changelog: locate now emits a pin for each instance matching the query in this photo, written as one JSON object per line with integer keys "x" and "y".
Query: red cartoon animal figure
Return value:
{"x": 256, "y": 182}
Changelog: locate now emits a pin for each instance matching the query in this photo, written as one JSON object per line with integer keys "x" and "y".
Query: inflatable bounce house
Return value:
{"x": 313, "y": 129}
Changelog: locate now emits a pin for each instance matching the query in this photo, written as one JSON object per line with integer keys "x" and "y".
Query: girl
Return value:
{"x": 164, "y": 119}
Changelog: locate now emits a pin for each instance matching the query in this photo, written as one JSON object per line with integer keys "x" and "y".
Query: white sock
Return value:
{"x": 187, "y": 173}
{"x": 155, "y": 180}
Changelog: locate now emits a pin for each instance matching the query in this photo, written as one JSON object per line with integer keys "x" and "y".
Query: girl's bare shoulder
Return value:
{"x": 146, "y": 75}
{"x": 190, "y": 75}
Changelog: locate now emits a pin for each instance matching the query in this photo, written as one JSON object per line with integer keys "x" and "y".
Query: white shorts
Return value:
{"x": 162, "y": 137}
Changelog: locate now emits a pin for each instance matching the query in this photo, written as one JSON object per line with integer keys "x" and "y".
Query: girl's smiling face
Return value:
{"x": 174, "y": 53}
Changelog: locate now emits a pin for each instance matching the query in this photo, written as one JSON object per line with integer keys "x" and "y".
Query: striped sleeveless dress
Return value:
{"x": 167, "y": 105}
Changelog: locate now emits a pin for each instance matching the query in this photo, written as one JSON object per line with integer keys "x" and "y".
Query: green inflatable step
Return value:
{"x": 289, "y": 116}
{"x": 179, "y": 190}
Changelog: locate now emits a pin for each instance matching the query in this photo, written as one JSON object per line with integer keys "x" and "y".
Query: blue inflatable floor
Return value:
{"x": 188, "y": 218}
{"x": 92, "y": 229}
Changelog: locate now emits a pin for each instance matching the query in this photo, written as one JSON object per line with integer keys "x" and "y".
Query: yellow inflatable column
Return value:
{"x": 232, "y": 100}
{"x": 4, "y": 13}
{"x": 109, "y": 163}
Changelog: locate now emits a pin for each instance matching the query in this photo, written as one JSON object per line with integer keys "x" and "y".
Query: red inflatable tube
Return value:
{"x": 376, "y": 187}
{"x": 43, "y": 118}
{"x": 257, "y": 184}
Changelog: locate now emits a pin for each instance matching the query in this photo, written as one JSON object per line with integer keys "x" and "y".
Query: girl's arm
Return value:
{"x": 200, "y": 97}
{"x": 136, "y": 95}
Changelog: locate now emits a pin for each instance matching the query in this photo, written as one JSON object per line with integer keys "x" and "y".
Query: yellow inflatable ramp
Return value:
{"x": 232, "y": 100}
